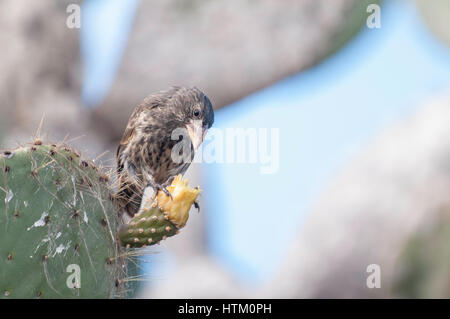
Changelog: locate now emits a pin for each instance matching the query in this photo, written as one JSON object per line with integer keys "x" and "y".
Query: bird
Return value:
{"x": 159, "y": 142}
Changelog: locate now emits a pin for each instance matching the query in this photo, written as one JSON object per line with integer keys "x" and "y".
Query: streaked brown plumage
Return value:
{"x": 144, "y": 156}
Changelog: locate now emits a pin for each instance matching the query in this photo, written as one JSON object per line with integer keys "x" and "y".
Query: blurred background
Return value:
{"x": 360, "y": 103}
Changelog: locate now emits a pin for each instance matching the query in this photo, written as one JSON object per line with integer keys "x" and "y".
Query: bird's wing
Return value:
{"x": 130, "y": 130}
{"x": 126, "y": 138}
{"x": 149, "y": 102}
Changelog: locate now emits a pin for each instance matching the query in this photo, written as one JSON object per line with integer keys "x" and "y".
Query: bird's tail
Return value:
{"x": 128, "y": 198}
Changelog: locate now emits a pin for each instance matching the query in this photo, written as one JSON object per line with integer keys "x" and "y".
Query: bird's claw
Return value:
{"x": 165, "y": 191}
{"x": 157, "y": 188}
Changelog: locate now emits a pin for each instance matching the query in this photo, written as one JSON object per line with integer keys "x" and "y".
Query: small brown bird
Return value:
{"x": 159, "y": 142}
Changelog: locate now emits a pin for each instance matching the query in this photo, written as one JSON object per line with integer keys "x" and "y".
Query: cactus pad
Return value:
{"x": 57, "y": 227}
{"x": 161, "y": 217}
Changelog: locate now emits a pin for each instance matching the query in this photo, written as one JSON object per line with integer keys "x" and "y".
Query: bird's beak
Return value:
{"x": 196, "y": 132}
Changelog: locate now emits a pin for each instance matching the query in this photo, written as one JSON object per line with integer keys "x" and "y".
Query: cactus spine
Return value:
{"x": 57, "y": 227}
{"x": 160, "y": 217}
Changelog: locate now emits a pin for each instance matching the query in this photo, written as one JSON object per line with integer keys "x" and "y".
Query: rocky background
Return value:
{"x": 389, "y": 207}
{"x": 40, "y": 71}
{"x": 231, "y": 49}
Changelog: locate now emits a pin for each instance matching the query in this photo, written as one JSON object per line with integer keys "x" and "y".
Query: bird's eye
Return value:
{"x": 197, "y": 112}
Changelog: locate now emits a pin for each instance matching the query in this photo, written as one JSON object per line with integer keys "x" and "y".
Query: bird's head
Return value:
{"x": 192, "y": 110}
{"x": 177, "y": 108}
{"x": 199, "y": 117}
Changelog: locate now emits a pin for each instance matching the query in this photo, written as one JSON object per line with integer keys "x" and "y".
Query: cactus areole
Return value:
{"x": 58, "y": 227}
{"x": 160, "y": 217}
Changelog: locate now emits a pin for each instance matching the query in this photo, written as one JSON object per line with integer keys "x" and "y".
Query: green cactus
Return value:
{"x": 56, "y": 214}
{"x": 148, "y": 228}
{"x": 161, "y": 217}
